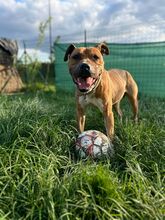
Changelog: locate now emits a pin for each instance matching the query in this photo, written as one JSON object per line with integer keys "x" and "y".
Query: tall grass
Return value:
{"x": 40, "y": 177}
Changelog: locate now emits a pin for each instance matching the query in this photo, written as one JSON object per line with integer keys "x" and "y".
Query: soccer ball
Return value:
{"x": 93, "y": 144}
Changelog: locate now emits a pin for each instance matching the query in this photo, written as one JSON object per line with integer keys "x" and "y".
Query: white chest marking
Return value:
{"x": 90, "y": 99}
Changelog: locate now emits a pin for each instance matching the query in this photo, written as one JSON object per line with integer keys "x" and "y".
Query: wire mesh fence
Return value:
{"x": 34, "y": 63}
{"x": 143, "y": 56}
{"x": 34, "y": 49}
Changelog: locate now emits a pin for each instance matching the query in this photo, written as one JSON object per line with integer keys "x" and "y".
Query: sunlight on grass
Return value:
{"x": 41, "y": 179}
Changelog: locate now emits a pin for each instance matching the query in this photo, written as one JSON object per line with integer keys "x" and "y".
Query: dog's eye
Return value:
{"x": 95, "y": 57}
{"x": 76, "y": 56}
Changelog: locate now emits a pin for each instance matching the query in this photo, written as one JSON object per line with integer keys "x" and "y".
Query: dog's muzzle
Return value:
{"x": 84, "y": 79}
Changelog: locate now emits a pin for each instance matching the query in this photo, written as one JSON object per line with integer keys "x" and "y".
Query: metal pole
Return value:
{"x": 85, "y": 38}
{"x": 50, "y": 31}
{"x": 25, "y": 61}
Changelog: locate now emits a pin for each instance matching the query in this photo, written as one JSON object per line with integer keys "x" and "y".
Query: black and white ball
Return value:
{"x": 93, "y": 144}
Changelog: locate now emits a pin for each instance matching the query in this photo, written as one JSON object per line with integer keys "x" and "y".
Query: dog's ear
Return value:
{"x": 69, "y": 51}
{"x": 103, "y": 48}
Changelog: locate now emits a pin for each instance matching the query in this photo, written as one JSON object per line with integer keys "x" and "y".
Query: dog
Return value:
{"x": 99, "y": 87}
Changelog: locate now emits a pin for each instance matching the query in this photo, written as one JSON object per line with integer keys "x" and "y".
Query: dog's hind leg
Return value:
{"x": 118, "y": 110}
{"x": 134, "y": 102}
{"x": 132, "y": 94}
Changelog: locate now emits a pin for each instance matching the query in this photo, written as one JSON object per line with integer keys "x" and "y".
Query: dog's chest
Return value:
{"x": 90, "y": 99}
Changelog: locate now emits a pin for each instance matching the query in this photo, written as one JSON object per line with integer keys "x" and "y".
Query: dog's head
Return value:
{"x": 86, "y": 65}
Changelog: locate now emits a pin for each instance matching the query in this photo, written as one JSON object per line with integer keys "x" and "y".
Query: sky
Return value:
{"x": 104, "y": 20}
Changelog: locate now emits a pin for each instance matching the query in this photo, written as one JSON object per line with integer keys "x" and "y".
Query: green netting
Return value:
{"x": 145, "y": 61}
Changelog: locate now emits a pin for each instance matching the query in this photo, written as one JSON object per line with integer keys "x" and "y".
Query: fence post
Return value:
{"x": 85, "y": 38}
{"x": 25, "y": 62}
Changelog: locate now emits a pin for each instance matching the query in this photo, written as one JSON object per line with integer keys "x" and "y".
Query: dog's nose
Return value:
{"x": 84, "y": 67}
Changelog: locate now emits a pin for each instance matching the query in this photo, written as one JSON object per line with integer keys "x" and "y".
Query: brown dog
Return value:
{"x": 97, "y": 86}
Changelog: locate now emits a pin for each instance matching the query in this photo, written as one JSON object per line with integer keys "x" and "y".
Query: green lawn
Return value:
{"x": 41, "y": 179}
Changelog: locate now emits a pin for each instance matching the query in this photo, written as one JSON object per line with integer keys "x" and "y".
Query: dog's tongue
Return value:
{"x": 85, "y": 83}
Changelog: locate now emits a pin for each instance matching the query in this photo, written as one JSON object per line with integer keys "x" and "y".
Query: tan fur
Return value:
{"x": 110, "y": 88}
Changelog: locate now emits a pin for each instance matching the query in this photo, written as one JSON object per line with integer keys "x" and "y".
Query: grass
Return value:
{"x": 41, "y": 179}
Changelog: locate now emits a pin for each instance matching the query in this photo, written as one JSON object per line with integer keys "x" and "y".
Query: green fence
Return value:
{"x": 145, "y": 61}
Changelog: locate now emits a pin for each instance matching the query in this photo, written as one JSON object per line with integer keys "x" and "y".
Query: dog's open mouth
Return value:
{"x": 85, "y": 84}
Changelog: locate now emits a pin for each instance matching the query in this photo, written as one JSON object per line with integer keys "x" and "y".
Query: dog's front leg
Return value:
{"x": 80, "y": 118}
{"x": 109, "y": 120}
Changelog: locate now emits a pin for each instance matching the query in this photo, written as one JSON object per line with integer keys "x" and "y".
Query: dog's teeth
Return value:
{"x": 85, "y": 83}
